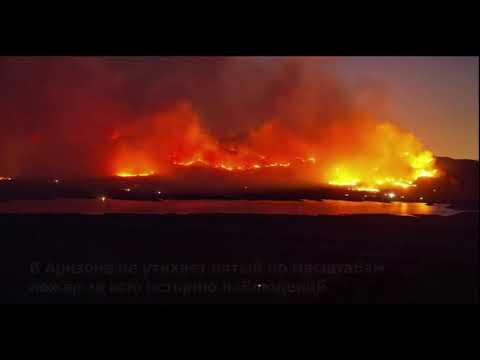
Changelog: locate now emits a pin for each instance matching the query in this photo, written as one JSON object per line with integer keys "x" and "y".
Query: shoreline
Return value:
{"x": 298, "y": 207}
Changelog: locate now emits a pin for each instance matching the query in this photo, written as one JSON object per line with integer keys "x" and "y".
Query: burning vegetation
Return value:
{"x": 384, "y": 157}
{"x": 391, "y": 159}
{"x": 141, "y": 117}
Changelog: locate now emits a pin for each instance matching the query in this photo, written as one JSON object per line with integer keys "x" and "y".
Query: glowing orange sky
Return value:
{"x": 434, "y": 97}
{"x": 74, "y": 116}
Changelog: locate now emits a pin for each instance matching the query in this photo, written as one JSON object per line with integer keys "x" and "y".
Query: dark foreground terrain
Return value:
{"x": 238, "y": 259}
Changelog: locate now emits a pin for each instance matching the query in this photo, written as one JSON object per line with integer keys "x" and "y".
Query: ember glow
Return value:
{"x": 132, "y": 174}
{"x": 234, "y": 166}
{"x": 393, "y": 159}
{"x": 372, "y": 180}
{"x": 383, "y": 156}
{"x": 5, "y": 178}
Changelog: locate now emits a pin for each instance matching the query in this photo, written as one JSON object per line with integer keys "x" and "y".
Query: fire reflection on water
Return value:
{"x": 305, "y": 207}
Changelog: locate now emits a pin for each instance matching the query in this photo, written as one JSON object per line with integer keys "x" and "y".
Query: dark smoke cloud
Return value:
{"x": 58, "y": 114}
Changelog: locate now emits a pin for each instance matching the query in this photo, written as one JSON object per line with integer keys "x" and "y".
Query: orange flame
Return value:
{"x": 362, "y": 155}
{"x": 131, "y": 174}
{"x": 392, "y": 158}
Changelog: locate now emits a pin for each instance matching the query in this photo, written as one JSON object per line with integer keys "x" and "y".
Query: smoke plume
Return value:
{"x": 82, "y": 116}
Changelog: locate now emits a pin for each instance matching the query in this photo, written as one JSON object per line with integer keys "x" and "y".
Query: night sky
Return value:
{"x": 434, "y": 97}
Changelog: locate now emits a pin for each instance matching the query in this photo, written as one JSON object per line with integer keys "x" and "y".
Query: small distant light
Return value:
{"x": 391, "y": 195}
{"x": 56, "y": 181}
{"x": 421, "y": 198}
{"x": 403, "y": 197}
{"x": 347, "y": 195}
{"x": 127, "y": 190}
{"x": 159, "y": 193}
{"x": 259, "y": 286}
{"x": 103, "y": 198}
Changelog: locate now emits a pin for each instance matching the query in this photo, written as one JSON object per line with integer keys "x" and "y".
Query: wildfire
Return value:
{"x": 358, "y": 179}
{"x": 367, "y": 189}
{"x": 232, "y": 167}
{"x": 419, "y": 166}
{"x": 131, "y": 174}
{"x": 371, "y": 180}
{"x": 360, "y": 154}
{"x": 390, "y": 158}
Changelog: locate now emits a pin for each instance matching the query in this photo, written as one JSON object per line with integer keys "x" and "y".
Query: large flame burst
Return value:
{"x": 375, "y": 178}
{"x": 361, "y": 155}
{"x": 391, "y": 159}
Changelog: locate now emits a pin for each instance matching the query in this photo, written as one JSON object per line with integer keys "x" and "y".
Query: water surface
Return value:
{"x": 304, "y": 207}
